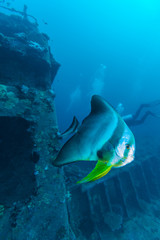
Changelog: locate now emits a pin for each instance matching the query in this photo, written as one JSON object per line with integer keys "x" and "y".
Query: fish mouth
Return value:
{"x": 128, "y": 159}
{"x": 124, "y": 161}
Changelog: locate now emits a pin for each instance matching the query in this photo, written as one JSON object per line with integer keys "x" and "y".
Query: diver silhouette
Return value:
{"x": 133, "y": 119}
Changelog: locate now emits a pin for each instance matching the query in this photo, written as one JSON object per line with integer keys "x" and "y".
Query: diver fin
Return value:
{"x": 72, "y": 128}
{"x": 100, "y": 170}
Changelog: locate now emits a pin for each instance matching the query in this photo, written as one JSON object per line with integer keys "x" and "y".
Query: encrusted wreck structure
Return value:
{"x": 32, "y": 192}
{"x": 39, "y": 201}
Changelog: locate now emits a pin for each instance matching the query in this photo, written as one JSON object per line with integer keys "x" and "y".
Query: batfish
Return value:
{"x": 103, "y": 137}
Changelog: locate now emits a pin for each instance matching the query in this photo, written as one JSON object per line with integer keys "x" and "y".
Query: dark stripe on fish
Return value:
{"x": 118, "y": 132}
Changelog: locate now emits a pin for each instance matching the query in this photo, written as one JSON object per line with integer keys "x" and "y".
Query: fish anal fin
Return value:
{"x": 100, "y": 170}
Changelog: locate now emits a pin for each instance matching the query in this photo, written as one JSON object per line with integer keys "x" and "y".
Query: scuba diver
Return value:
{"x": 133, "y": 119}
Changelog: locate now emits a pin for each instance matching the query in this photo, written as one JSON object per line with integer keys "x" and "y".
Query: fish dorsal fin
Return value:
{"x": 99, "y": 105}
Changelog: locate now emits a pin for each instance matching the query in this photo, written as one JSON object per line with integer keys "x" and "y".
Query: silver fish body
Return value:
{"x": 103, "y": 136}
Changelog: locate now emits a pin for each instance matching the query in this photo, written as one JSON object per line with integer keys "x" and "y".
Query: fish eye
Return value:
{"x": 128, "y": 146}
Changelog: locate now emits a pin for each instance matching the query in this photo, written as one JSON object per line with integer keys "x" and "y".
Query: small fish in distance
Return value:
{"x": 103, "y": 137}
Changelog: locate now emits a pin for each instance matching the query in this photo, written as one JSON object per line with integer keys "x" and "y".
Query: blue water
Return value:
{"x": 122, "y": 35}
{"x": 110, "y": 48}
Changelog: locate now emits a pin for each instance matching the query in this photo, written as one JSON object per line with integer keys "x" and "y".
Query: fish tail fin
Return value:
{"x": 100, "y": 170}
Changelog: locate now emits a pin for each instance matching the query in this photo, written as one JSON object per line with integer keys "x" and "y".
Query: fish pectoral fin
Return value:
{"x": 100, "y": 170}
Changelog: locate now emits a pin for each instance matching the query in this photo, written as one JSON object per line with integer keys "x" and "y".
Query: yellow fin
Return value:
{"x": 100, "y": 170}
